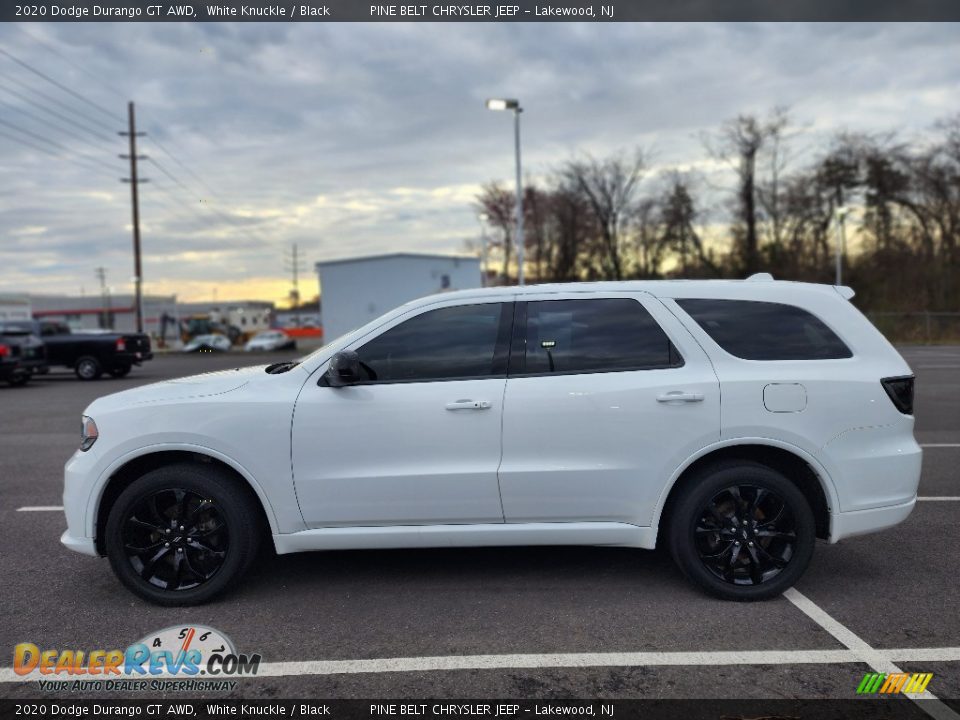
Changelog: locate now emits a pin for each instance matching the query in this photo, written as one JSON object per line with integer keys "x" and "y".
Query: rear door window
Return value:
{"x": 597, "y": 335}
{"x": 754, "y": 330}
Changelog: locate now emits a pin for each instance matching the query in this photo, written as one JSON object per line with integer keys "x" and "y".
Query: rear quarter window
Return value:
{"x": 754, "y": 330}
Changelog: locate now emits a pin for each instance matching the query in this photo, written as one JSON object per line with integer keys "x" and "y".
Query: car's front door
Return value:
{"x": 417, "y": 441}
{"x": 606, "y": 397}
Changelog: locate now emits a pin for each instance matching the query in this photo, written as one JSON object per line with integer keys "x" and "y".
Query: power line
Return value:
{"x": 50, "y": 123}
{"x": 185, "y": 168}
{"x": 152, "y": 139}
{"x": 73, "y": 64}
{"x": 55, "y": 102}
{"x": 64, "y": 148}
{"x": 251, "y": 233}
{"x": 79, "y": 162}
{"x": 63, "y": 87}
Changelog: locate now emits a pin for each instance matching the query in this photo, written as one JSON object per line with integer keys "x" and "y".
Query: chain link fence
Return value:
{"x": 918, "y": 327}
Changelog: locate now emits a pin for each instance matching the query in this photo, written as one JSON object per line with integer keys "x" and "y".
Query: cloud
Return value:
{"x": 359, "y": 138}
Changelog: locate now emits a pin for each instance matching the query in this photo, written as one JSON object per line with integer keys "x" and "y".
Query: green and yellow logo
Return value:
{"x": 894, "y": 683}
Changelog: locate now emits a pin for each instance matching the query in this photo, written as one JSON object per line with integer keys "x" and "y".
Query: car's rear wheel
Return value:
{"x": 182, "y": 534}
{"x": 742, "y": 531}
{"x": 88, "y": 368}
{"x": 18, "y": 379}
{"x": 120, "y": 371}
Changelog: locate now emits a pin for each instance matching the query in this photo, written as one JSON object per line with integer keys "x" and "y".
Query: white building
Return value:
{"x": 14, "y": 307}
{"x": 113, "y": 312}
{"x": 354, "y": 291}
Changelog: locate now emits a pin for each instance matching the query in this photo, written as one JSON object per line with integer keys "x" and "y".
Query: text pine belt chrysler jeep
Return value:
{"x": 735, "y": 421}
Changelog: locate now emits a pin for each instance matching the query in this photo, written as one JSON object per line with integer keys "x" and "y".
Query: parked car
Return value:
{"x": 90, "y": 355}
{"x": 22, "y": 353}
{"x": 208, "y": 343}
{"x": 271, "y": 340}
{"x": 542, "y": 415}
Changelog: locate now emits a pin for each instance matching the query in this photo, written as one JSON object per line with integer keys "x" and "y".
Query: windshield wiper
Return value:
{"x": 281, "y": 367}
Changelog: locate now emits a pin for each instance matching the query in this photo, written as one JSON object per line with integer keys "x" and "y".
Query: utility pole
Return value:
{"x": 132, "y": 134}
{"x": 107, "y": 311}
{"x": 293, "y": 265}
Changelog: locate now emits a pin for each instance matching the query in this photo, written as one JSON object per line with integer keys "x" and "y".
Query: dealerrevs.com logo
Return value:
{"x": 189, "y": 658}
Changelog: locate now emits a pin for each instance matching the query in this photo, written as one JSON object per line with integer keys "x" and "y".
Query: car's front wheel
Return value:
{"x": 742, "y": 531}
{"x": 182, "y": 534}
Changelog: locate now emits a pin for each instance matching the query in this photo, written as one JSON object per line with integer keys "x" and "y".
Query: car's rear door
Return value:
{"x": 607, "y": 395}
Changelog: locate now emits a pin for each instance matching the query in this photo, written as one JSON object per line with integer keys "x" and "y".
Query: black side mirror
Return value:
{"x": 344, "y": 369}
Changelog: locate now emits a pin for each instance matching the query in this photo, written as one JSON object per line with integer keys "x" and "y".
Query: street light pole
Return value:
{"x": 512, "y": 104}
{"x": 483, "y": 249}
{"x": 841, "y": 242}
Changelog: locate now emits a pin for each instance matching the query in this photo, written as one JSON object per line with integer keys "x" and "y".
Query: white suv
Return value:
{"x": 736, "y": 421}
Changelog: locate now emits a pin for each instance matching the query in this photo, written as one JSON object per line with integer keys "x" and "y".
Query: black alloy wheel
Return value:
{"x": 746, "y": 535}
{"x": 741, "y": 531}
{"x": 181, "y": 534}
{"x": 88, "y": 368}
{"x": 175, "y": 539}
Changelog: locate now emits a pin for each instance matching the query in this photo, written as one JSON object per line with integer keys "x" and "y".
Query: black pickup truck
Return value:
{"x": 90, "y": 355}
{"x": 22, "y": 353}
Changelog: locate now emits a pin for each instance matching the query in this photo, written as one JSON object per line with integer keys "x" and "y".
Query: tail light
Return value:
{"x": 900, "y": 390}
{"x": 121, "y": 345}
{"x": 4, "y": 350}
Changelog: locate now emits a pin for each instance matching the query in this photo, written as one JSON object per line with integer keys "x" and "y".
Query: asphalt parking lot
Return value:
{"x": 522, "y": 623}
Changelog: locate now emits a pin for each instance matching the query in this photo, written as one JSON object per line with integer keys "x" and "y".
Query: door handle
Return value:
{"x": 468, "y": 405}
{"x": 678, "y": 396}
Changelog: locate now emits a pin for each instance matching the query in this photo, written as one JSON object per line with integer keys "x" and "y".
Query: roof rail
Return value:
{"x": 760, "y": 277}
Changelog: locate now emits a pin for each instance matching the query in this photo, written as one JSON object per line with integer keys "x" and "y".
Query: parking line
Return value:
{"x": 573, "y": 660}
{"x": 40, "y": 508}
{"x": 879, "y": 660}
{"x": 940, "y": 445}
{"x": 942, "y": 498}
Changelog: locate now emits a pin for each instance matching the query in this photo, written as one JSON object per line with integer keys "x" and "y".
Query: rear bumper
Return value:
{"x": 861, "y": 522}
{"x": 874, "y": 467}
{"x": 131, "y": 358}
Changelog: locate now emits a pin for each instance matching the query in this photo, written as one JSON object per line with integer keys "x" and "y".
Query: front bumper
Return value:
{"x": 83, "y": 545}
{"x": 79, "y": 536}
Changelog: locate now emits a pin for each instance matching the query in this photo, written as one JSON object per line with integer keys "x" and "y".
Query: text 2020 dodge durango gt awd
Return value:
{"x": 735, "y": 421}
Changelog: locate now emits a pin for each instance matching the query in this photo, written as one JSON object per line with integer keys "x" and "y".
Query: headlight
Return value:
{"x": 88, "y": 433}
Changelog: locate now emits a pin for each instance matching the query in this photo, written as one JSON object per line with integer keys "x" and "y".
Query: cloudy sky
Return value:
{"x": 357, "y": 139}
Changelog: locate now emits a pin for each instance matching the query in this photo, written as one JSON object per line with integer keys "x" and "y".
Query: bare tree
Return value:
{"x": 498, "y": 204}
{"x": 609, "y": 187}
{"x": 678, "y": 218}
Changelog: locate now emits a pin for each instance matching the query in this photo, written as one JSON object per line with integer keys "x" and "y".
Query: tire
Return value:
{"x": 120, "y": 371}
{"x": 199, "y": 565}
{"x": 775, "y": 528}
{"x": 88, "y": 368}
{"x": 18, "y": 380}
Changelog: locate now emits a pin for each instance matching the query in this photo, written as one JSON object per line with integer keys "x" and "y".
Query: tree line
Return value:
{"x": 605, "y": 218}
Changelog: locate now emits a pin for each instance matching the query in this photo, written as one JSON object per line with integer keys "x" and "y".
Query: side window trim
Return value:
{"x": 518, "y": 347}
{"x": 501, "y": 350}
